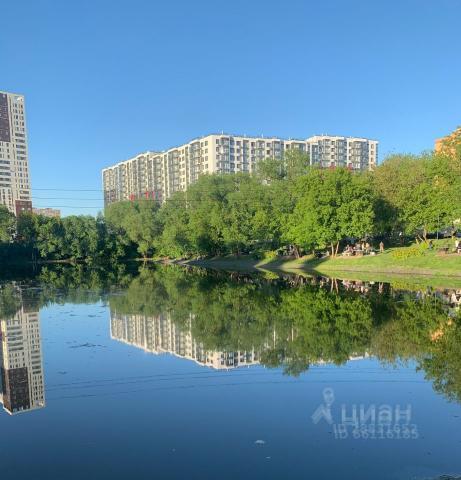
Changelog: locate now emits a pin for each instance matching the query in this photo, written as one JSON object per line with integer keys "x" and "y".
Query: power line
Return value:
{"x": 67, "y": 206}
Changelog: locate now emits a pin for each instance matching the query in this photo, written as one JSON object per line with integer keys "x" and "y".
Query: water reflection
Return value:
{"x": 291, "y": 322}
{"x": 160, "y": 335}
{"x": 21, "y": 366}
{"x": 226, "y": 321}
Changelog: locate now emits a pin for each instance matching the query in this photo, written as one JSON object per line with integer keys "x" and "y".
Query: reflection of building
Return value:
{"x": 157, "y": 175}
{"x": 451, "y": 299}
{"x": 47, "y": 212}
{"x": 160, "y": 335}
{"x": 21, "y": 368}
{"x": 14, "y": 162}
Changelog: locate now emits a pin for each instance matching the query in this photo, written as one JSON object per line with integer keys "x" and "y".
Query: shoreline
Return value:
{"x": 403, "y": 271}
{"x": 315, "y": 266}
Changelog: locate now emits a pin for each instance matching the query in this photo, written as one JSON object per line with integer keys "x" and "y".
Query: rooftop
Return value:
{"x": 226, "y": 134}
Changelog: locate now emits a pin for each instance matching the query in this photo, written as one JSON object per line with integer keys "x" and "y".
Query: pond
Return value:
{"x": 176, "y": 373}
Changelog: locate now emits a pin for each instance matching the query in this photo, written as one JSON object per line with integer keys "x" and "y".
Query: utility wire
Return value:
{"x": 67, "y": 206}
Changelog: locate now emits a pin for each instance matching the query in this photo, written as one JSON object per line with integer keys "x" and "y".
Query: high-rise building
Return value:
{"x": 347, "y": 152}
{"x": 14, "y": 163}
{"x": 157, "y": 175}
{"x": 160, "y": 335}
{"x": 21, "y": 367}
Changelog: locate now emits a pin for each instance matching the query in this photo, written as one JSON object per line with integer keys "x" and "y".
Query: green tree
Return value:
{"x": 247, "y": 217}
{"x": 50, "y": 241}
{"x": 138, "y": 221}
{"x": 293, "y": 164}
{"x": 80, "y": 237}
{"x": 331, "y": 205}
{"x": 7, "y": 224}
{"x": 174, "y": 240}
{"x": 424, "y": 190}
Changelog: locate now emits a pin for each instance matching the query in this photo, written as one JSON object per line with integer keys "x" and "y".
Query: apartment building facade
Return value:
{"x": 22, "y": 385}
{"x": 15, "y": 190}
{"x": 358, "y": 154}
{"x": 449, "y": 143}
{"x": 160, "y": 335}
{"x": 157, "y": 175}
{"x": 47, "y": 212}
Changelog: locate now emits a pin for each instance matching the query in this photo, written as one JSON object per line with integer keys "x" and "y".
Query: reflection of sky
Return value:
{"x": 114, "y": 410}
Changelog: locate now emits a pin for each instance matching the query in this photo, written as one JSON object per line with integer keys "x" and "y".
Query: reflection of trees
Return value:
{"x": 287, "y": 326}
{"x": 10, "y": 301}
{"x": 290, "y": 327}
{"x": 297, "y": 327}
{"x": 325, "y": 326}
{"x": 443, "y": 364}
{"x": 407, "y": 333}
{"x": 61, "y": 283}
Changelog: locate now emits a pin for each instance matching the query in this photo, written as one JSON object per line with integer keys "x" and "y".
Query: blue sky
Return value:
{"x": 107, "y": 79}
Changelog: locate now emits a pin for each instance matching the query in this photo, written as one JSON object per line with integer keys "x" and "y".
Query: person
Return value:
{"x": 431, "y": 244}
{"x": 456, "y": 244}
{"x": 381, "y": 246}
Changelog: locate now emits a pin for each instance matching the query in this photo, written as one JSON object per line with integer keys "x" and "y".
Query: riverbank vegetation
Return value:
{"x": 286, "y": 207}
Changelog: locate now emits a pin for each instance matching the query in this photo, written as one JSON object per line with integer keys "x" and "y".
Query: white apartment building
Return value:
{"x": 14, "y": 161}
{"x": 159, "y": 335}
{"x": 21, "y": 367}
{"x": 157, "y": 175}
{"x": 347, "y": 152}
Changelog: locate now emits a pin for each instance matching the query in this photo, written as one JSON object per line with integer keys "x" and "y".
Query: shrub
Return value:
{"x": 409, "y": 252}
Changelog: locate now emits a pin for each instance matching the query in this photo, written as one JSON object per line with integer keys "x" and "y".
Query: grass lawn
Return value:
{"x": 430, "y": 262}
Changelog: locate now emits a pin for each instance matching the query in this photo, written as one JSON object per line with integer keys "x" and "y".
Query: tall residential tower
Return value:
{"x": 14, "y": 161}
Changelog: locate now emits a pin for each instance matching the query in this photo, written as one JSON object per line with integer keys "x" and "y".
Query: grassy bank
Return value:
{"x": 430, "y": 267}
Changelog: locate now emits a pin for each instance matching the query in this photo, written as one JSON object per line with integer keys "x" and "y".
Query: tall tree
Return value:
{"x": 138, "y": 221}
{"x": 7, "y": 224}
{"x": 331, "y": 205}
{"x": 425, "y": 191}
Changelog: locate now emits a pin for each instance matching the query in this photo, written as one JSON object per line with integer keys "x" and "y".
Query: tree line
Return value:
{"x": 286, "y": 202}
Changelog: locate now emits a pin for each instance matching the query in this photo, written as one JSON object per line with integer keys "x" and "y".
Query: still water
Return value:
{"x": 171, "y": 373}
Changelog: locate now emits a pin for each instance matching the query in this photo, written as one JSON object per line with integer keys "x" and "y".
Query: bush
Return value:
{"x": 270, "y": 255}
{"x": 264, "y": 254}
{"x": 409, "y": 252}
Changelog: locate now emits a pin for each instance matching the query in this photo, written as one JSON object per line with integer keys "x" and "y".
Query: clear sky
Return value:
{"x": 107, "y": 79}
